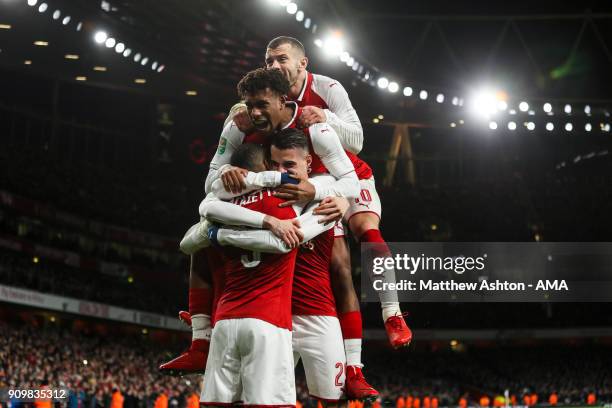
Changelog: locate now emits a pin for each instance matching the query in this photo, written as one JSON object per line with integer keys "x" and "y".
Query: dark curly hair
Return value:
{"x": 262, "y": 79}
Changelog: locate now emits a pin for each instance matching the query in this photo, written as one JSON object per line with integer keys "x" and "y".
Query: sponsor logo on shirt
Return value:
{"x": 222, "y": 145}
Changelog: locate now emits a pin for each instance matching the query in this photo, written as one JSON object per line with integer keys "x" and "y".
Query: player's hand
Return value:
{"x": 295, "y": 193}
{"x": 233, "y": 180}
{"x": 311, "y": 115}
{"x": 243, "y": 121}
{"x": 332, "y": 208}
{"x": 287, "y": 230}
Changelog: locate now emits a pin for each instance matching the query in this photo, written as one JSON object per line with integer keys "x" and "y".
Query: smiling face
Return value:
{"x": 294, "y": 160}
{"x": 289, "y": 59}
{"x": 265, "y": 109}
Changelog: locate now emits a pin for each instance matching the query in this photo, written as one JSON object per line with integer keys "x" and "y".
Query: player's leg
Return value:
{"x": 349, "y": 316}
{"x": 267, "y": 371}
{"x": 222, "y": 383}
{"x": 364, "y": 220}
{"x": 200, "y": 308}
{"x": 321, "y": 349}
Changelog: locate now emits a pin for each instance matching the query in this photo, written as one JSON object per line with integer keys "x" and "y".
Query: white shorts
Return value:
{"x": 249, "y": 361}
{"x": 368, "y": 200}
{"x": 318, "y": 341}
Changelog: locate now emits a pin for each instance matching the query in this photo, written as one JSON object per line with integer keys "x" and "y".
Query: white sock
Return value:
{"x": 352, "y": 349}
{"x": 390, "y": 309}
{"x": 200, "y": 327}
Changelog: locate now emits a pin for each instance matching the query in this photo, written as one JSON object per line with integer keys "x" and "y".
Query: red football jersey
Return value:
{"x": 258, "y": 285}
{"x": 312, "y": 291}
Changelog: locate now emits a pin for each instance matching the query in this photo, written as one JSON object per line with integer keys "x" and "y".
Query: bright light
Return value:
{"x": 299, "y": 16}
{"x": 382, "y": 82}
{"x": 333, "y": 45}
{"x": 531, "y": 112}
{"x": 41, "y": 43}
{"x": 547, "y": 107}
{"x": 453, "y": 124}
{"x": 127, "y": 52}
{"x": 140, "y": 81}
{"x": 393, "y": 87}
{"x": 492, "y": 125}
{"x": 119, "y": 48}
{"x": 512, "y": 111}
{"x": 349, "y": 62}
{"x": 81, "y": 78}
{"x": 588, "y": 127}
{"x": 407, "y": 91}
{"x": 455, "y": 101}
{"x": 375, "y": 120}
{"x": 523, "y": 106}
{"x": 502, "y": 105}
{"x": 27, "y": 62}
{"x": 318, "y": 42}
{"x": 154, "y": 66}
{"x": 344, "y": 56}
{"x": 137, "y": 57}
{"x": 292, "y": 8}
{"x": 483, "y": 103}
{"x": 85, "y": 362}
{"x": 440, "y": 98}
{"x": 57, "y": 14}
{"x": 43, "y": 7}
{"x": 307, "y": 23}
{"x": 550, "y": 127}
{"x": 79, "y": 26}
{"x": 355, "y": 66}
{"x": 32, "y": 3}
{"x": 530, "y": 126}
{"x": 606, "y": 127}
{"x": 99, "y": 69}
{"x": 423, "y": 94}
{"x": 569, "y": 127}
{"x": 511, "y": 125}
{"x": 144, "y": 61}
{"x": 587, "y": 110}
{"x": 381, "y": 117}
{"x": 110, "y": 42}
{"x": 100, "y": 37}
{"x": 66, "y": 20}
{"x": 35, "y": 259}
{"x": 71, "y": 56}
{"x": 283, "y": 3}
{"x": 191, "y": 93}
{"x": 161, "y": 68}
{"x": 568, "y": 109}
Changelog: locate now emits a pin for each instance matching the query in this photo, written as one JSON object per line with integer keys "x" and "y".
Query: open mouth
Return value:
{"x": 261, "y": 123}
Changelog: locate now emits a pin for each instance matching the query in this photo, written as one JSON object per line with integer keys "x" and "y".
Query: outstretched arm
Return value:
{"x": 230, "y": 139}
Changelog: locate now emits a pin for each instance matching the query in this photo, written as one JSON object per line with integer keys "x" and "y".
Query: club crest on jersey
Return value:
{"x": 309, "y": 245}
{"x": 222, "y": 145}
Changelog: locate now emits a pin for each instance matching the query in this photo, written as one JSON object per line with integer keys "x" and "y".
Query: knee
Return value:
{"x": 361, "y": 223}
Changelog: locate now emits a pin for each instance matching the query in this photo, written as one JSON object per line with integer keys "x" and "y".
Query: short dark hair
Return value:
{"x": 262, "y": 79}
{"x": 295, "y": 43}
{"x": 248, "y": 156}
{"x": 290, "y": 138}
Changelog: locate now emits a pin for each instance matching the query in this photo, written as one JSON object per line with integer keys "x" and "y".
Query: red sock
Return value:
{"x": 200, "y": 301}
{"x": 374, "y": 236}
{"x": 350, "y": 324}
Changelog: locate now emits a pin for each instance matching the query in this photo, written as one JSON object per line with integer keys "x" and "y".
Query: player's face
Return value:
{"x": 288, "y": 59}
{"x": 265, "y": 108}
{"x": 294, "y": 161}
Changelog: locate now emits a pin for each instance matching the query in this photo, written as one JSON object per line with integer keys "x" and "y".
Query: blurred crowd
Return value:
{"x": 95, "y": 367}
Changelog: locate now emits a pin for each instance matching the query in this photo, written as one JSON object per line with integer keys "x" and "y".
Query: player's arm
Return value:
{"x": 327, "y": 146}
{"x": 253, "y": 181}
{"x": 230, "y": 139}
{"x": 343, "y": 118}
{"x": 311, "y": 225}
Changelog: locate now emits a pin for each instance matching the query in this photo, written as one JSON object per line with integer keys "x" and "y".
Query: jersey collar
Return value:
{"x": 307, "y": 83}
{"x": 291, "y": 123}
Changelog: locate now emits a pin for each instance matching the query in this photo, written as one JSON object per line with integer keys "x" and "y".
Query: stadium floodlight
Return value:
{"x": 382, "y": 82}
{"x": 531, "y": 112}
{"x": 606, "y": 127}
{"x": 299, "y": 16}
{"x": 110, "y": 42}
{"x": 440, "y": 98}
{"x": 57, "y": 14}
{"x": 344, "y": 56}
{"x": 43, "y": 7}
{"x": 355, "y": 66}
{"x": 318, "y": 42}
{"x": 393, "y": 87}
{"x": 66, "y": 20}
{"x": 492, "y": 125}
{"x": 550, "y": 127}
{"x": 512, "y": 111}
{"x": 100, "y": 37}
{"x": 587, "y": 110}
{"x": 32, "y": 3}
{"x": 333, "y": 45}
{"x": 127, "y": 52}
{"x": 119, "y": 48}
{"x": 144, "y": 61}
{"x": 79, "y": 26}
{"x": 455, "y": 101}
{"x": 502, "y": 105}
{"x": 161, "y": 68}
{"x": 292, "y": 8}
{"x": 453, "y": 124}
{"x": 511, "y": 125}
{"x": 307, "y": 23}
{"x": 588, "y": 127}
{"x": 137, "y": 57}
{"x": 154, "y": 65}
{"x": 483, "y": 103}
{"x": 568, "y": 109}
{"x": 547, "y": 107}
{"x": 530, "y": 126}
{"x": 423, "y": 95}
{"x": 569, "y": 127}
{"x": 407, "y": 91}
{"x": 523, "y": 106}
{"x": 350, "y": 61}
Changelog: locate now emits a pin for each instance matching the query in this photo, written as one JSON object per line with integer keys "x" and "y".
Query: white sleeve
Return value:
{"x": 342, "y": 116}
{"x": 230, "y": 139}
{"x": 327, "y": 146}
{"x": 266, "y": 241}
{"x": 231, "y": 214}
{"x": 253, "y": 181}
